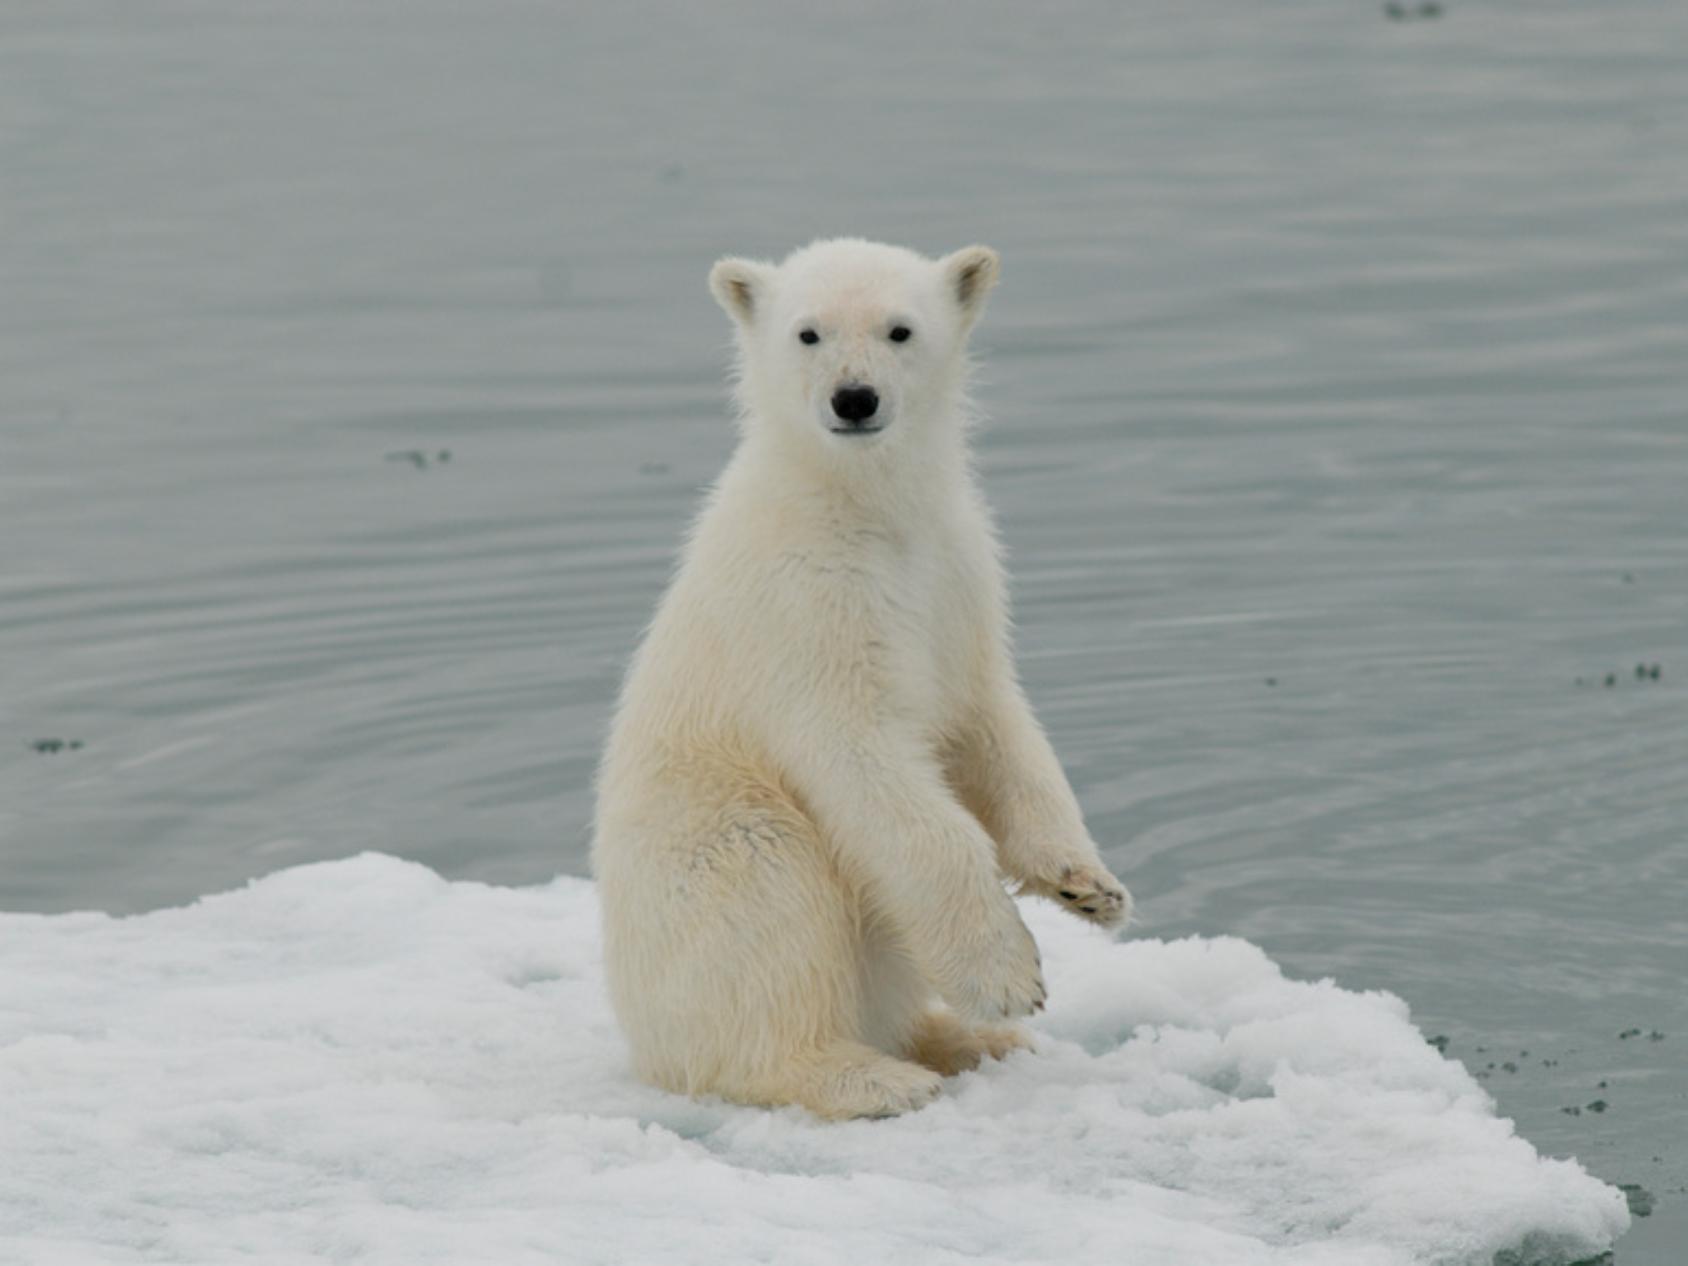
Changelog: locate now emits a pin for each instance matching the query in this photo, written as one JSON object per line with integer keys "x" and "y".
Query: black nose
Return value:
{"x": 855, "y": 404}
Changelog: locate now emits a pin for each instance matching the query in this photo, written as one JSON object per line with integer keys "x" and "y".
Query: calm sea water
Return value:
{"x": 357, "y": 376}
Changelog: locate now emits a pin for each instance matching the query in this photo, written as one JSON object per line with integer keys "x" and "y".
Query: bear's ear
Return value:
{"x": 740, "y": 286}
{"x": 969, "y": 275}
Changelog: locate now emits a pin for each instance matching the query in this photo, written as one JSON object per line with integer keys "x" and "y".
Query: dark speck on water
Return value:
{"x": 1639, "y": 1198}
{"x": 417, "y": 458}
{"x": 52, "y": 746}
{"x": 1598, "y": 1105}
{"x": 1398, "y": 12}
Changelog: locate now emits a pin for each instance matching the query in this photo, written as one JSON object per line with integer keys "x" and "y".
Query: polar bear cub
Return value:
{"x": 823, "y": 767}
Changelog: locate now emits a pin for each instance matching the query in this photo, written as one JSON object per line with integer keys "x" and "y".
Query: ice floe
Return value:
{"x": 359, "y": 1061}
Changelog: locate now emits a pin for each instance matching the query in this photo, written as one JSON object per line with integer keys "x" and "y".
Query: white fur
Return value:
{"x": 823, "y": 765}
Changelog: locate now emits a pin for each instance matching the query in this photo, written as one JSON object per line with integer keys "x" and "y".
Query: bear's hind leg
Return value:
{"x": 903, "y": 1014}
{"x": 947, "y": 1044}
{"x": 735, "y": 955}
{"x": 848, "y": 1079}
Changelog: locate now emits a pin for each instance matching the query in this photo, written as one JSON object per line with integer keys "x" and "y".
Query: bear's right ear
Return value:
{"x": 740, "y": 286}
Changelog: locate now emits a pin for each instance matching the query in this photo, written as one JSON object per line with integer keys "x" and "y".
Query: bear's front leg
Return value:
{"x": 1007, "y": 774}
{"x": 923, "y": 863}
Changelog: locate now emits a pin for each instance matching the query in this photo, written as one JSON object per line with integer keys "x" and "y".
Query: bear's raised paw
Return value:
{"x": 1093, "y": 894}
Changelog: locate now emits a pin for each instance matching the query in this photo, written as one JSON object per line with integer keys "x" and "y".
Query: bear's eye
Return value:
{"x": 901, "y": 333}
{"x": 809, "y": 337}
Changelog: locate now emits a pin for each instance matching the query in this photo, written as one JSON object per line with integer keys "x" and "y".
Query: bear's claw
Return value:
{"x": 1091, "y": 893}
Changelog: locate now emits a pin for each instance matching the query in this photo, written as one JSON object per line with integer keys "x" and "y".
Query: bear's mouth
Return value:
{"x": 857, "y": 430}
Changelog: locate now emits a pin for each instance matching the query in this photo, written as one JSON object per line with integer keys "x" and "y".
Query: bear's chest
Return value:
{"x": 934, "y": 608}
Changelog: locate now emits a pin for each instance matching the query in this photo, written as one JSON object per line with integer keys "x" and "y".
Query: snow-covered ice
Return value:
{"x": 361, "y": 1062}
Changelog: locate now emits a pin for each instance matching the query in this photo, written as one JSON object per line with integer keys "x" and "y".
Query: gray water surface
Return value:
{"x": 357, "y": 377}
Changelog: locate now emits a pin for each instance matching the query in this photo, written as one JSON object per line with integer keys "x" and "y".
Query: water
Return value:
{"x": 1335, "y": 352}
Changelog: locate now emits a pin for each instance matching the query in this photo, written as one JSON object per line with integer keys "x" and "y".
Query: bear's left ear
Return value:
{"x": 740, "y": 286}
{"x": 969, "y": 275}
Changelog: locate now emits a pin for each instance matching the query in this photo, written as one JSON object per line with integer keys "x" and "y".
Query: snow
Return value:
{"x": 359, "y": 1061}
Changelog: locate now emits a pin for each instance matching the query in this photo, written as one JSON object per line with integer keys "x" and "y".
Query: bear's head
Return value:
{"x": 850, "y": 344}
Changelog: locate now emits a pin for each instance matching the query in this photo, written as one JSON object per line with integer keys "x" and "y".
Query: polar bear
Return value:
{"x": 822, "y": 767}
